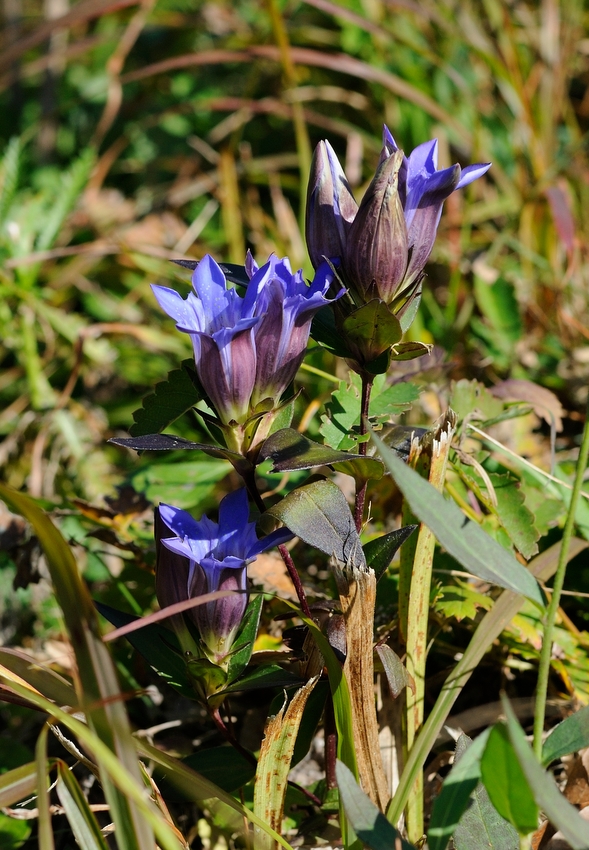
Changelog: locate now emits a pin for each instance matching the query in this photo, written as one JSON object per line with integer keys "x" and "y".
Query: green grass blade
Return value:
{"x": 81, "y": 819}
{"x": 45, "y": 829}
{"x": 17, "y": 784}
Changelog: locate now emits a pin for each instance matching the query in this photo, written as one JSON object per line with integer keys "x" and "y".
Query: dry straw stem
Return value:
{"x": 280, "y": 735}
{"x": 357, "y": 593}
{"x": 431, "y": 454}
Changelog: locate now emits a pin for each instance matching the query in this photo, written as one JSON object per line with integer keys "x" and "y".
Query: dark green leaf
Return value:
{"x": 568, "y": 737}
{"x": 169, "y": 400}
{"x": 158, "y": 645}
{"x": 269, "y": 676}
{"x": 453, "y": 799}
{"x": 506, "y": 782}
{"x": 310, "y": 721}
{"x": 463, "y": 539}
{"x": 325, "y": 332}
{"x": 555, "y": 806}
{"x": 481, "y": 826}
{"x": 290, "y": 450}
{"x": 319, "y": 514}
{"x": 245, "y": 638}
{"x": 224, "y": 766}
{"x": 369, "y": 824}
{"x": 380, "y": 552}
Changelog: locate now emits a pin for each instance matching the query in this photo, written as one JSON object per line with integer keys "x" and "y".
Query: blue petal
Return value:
{"x": 275, "y": 538}
{"x": 211, "y": 287}
{"x": 176, "y": 307}
{"x": 472, "y": 172}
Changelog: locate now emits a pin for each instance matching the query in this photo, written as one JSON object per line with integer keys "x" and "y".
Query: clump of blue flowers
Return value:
{"x": 214, "y": 556}
{"x": 247, "y": 350}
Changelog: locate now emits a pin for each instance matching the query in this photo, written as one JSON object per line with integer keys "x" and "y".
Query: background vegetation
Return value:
{"x": 138, "y": 132}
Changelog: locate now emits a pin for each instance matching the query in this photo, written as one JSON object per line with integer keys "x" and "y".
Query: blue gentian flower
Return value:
{"x": 382, "y": 245}
{"x": 247, "y": 350}
{"x": 217, "y": 557}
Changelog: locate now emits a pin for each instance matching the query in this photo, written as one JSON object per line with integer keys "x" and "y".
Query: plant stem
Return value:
{"x": 546, "y": 651}
{"x": 230, "y": 737}
{"x": 367, "y": 382}
{"x": 252, "y": 488}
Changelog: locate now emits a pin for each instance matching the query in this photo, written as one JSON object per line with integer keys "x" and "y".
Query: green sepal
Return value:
{"x": 381, "y": 551}
{"x": 244, "y": 642}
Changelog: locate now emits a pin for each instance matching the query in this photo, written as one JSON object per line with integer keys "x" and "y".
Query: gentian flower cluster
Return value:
{"x": 381, "y": 247}
{"x": 247, "y": 350}
{"x": 214, "y": 556}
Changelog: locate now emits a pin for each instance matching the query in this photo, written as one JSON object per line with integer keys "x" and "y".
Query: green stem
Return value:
{"x": 546, "y": 651}
{"x": 367, "y": 382}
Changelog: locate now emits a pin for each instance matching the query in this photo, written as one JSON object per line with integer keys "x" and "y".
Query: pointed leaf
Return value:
{"x": 158, "y": 645}
{"x": 290, "y": 450}
{"x": 369, "y": 824}
{"x": 463, "y": 539}
{"x": 380, "y": 552}
{"x": 233, "y": 272}
{"x": 269, "y": 676}
{"x": 246, "y": 636}
{"x": 167, "y": 443}
{"x": 506, "y": 782}
{"x": 17, "y": 784}
{"x": 555, "y": 806}
{"x": 398, "y": 677}
{"x": 568, "y": 737}
{"x": 80, "y": 817}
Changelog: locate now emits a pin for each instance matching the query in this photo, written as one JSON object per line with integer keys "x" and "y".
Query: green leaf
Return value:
{"x": 463, "y": 539}
{"x": 568, "y": 737}
{"x": 9, "y": 175}
{"x": 71, "y": 186}
{"x": 245, "y": 638}
{"x": 506, "y": 782}
{"x": 555, "y": 806}
{"x": 368, "y": 822}
{"x": 13, "y": 833}
{"x": 342, "y": 413}
{"x": 158, "y": 645}
{"x": 481, "y": 827}
{"x": 380, "y": 552}
{"x": 80, "y": 817}
{"x": 45, "y": 680}
{"x": 325, "y": 332}
{"x": 310, "y": 721}
{"x": 469, "y": 396}
{"x": 268, "y": 676}
{"x": 289, "y": 450}
{"x": 514, "y": 515}
{"x": 461, "y": 601}
{"x": 453, "y": 799}
{"x": 394, "y": 399}
{"x": 319, "y": 514}
{"x": 169, "y": 400}
{"x": 372, "y": 327}
{"x": 410, "y": 350}
{"x": 395, "y": 671}
{"x": 224, "y": 766}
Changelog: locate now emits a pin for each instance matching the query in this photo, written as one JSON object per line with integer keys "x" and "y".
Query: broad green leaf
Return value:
{"x": 368, "y": 822}
{"x": 380, "y": 552}
{"x": 158, "y": 645}
{"x": 453, "y": 799}
{"x": 568, "y": 737}
{"x": 463, "y": 539}
{"x": 342, "y": 413}
{"x": 481, "y": 826}
{"x": 372, "y": 327}
{"x": 506, "y": 782}
{"x": 555, "y": 806}
{"x": 80, "y": 817}
{"x": 319, "y": 514}
{"x": 169, "y": 400}
{"x": 290, "y": 450}
{"x": 325, "y": 332}
{"x": 240, "y": 657}
{"x": 393, "y": 400}
{"x": 17, "y": 784}
{"x": 468, "y": 396}
{"x": 515, "y": 516}
{"x": 224, "y": 766}
{"x": 461, "y": 601}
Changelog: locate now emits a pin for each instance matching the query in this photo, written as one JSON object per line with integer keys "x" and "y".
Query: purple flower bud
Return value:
{"x": 375, "y": 256}
{"x": 331, "y": 207}
{"x": 213, "y": 556}
{"x": 247, "y": 349}
{"x": 384, "y": 244}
